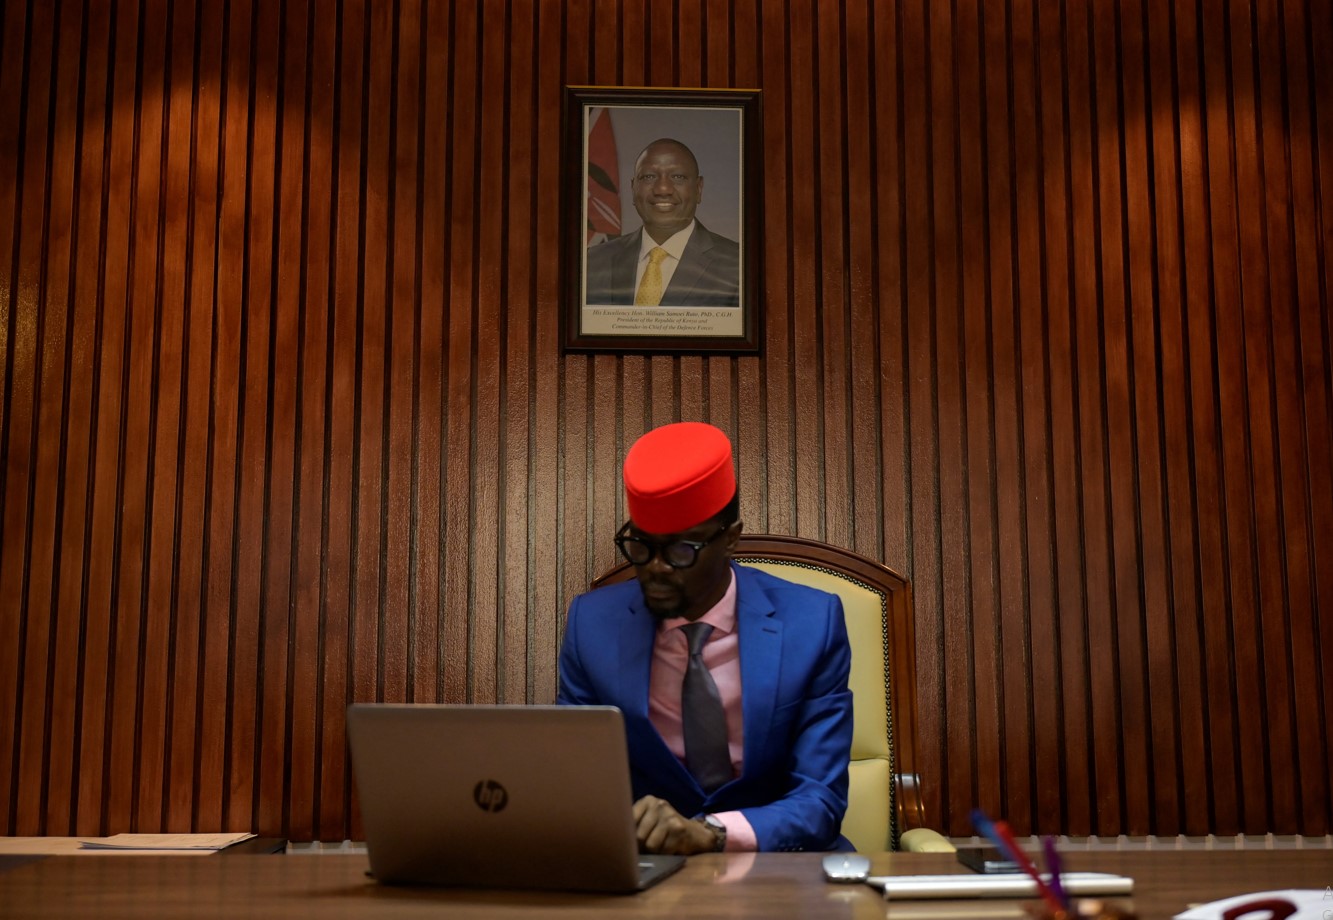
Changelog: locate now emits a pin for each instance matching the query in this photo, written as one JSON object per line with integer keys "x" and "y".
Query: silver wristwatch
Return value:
{"x": 714, "y": 824}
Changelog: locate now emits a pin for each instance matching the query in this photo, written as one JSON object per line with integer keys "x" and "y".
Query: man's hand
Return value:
{"x": 662, "y": 829}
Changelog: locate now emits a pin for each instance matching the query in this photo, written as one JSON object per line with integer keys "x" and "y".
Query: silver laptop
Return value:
{"x": 499, "y": 797}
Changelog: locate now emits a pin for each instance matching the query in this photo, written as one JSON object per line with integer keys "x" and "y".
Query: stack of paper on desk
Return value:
{"x": 208, "y": 842}
{"x": 1007, "y": 885}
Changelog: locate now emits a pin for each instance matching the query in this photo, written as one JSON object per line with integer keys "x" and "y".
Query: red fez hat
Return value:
{"x": 678, "y": 476}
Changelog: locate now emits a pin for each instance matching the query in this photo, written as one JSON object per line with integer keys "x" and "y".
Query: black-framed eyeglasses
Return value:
{"x": 679, "y": 554}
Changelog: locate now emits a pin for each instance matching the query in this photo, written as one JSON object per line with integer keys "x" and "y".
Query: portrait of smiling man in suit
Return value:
{"x": 672, "y": 260}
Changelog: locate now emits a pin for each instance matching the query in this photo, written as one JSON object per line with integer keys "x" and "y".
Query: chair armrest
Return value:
{"x": 924, "y": 840}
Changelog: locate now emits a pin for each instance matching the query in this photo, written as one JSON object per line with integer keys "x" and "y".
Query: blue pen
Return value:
{"x": 986, "y": 828}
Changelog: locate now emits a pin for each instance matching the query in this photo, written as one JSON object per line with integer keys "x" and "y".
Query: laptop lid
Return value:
{"x": 498, "y": 796}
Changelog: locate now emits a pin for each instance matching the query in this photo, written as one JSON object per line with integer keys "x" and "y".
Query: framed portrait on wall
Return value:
{"x": 662, "y": 198}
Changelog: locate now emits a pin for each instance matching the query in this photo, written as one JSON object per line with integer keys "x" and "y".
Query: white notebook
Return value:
{"x": 1007, "y": 885}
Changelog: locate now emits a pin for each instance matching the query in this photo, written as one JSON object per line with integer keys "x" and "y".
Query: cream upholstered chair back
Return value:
{"x": 884, "y": 804}
{"x": 871, "y": 818}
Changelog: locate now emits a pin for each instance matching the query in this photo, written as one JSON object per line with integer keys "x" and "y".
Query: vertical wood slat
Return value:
{"x": 285, "y": 423}
{"x": 44, "y": 191}
{"x": 12, "y": 75}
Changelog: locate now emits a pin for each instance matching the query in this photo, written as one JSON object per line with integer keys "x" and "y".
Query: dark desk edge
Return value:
{"x": 14, "y": 860}
{"x": 256, "y": 846}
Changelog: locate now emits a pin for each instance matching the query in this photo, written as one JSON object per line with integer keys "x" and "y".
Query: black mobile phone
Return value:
{"x": 987, "y": 859}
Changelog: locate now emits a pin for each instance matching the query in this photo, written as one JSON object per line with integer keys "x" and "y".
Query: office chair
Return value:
{"x": 884, "y": 810}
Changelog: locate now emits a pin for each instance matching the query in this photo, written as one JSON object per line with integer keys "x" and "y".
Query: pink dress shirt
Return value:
{"x": 722, "y": 655}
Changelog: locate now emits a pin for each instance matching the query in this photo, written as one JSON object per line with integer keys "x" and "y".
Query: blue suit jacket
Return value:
{"x": 795, "y": 704}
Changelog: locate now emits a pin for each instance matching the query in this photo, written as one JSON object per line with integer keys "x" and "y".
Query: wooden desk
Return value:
{"x": 777, "y": 886}
{"x": 72, "y": 846}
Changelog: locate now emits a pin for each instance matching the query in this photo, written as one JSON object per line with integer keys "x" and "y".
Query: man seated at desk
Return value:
{"x": 733, "y": 682}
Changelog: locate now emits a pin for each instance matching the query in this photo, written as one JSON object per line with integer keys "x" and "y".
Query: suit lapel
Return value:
{"x": 637, "y": 631}
{"x": 760, "y": 636}
{"x": 627, "y": 267}
{"x": 693, "y": 260}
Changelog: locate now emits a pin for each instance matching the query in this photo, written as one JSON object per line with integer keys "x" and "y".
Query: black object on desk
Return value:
{"x": 256, "y": 846}
{"x": 986, "y": 859}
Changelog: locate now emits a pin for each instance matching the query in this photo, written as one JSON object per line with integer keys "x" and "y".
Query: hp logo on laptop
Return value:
{"x": 490, "y": 796}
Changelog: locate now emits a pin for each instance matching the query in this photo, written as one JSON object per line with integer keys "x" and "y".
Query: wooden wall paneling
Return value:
{"x": 322, "y": 602}
{"x": 952, "y": 741}
{"x": 693, "y": 41}
{"x": 1232, "y": 431}
{"x": 131, "y": 663}
{"x": 349, "y": 74}
{"x": 977, "y": 642}
{"x": 620, "y": 409}
{"x": 663, "y": 398}
{"x": 518, "y": 652}
{"x": 1287, "y": 629}
{"x": 172, "y": 96}
{"x": 215, "y": 732}
{"x": 1321, "y": 26}
{"x": 992, "y": 83}
{"x": 22, "y": 418}
{"x": 401, "y": 294}
{"x": 776, "y": 499}
{"x": 1311, "y": 356}
{"x": 212, "y": 427}
{"x": 1125, "y": 603}
{"x": 1261, "y": 280}
{"x": 573, "y": 532}
{"x": 1204, "y": 447}
{"x": 1254, "y": 412}
{"x": 889, "y": 267}
{"x": 53, "y": 498}
{"x": 742, "y": 380}
{"x": 803, "y": 248}
{"x": 148, "y": 452}
{"x": 13, "y": 29}
{"x": 1144, "y": 321}
{"x": 1032, "y": 360}
{"x": 1068, "y": 123}
{"x": 947, "y": 291}
{"x": 547, "y": 535}
{"x": 863, "y": 396}
{"x": 686, "y": 379}
{"x": 373, "y": 315}
{"x": 194, "y": 178}
{"x": 430, "y": 335}
{"x": 832, "y": 435}
{"x": 458, "y": 486}
{"x": 247, "y": 798}
{"x": 721, "y": 61}
{"x": 485, "y": 542}
{"x": 1068, "y": 131}
{"x": 1320, "y": 408}
{"x": 282, "y": 633}
{"x": 302, "y": 297}
{"x": 1162, "y": 105}
{"x": 661, "y": 43}
{"x": 97, "y": 791}
{"x": 310, "y": 794}
{"x": 77, "y": 526}
{"x": 379, "y": 613}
